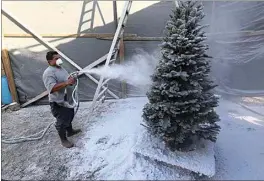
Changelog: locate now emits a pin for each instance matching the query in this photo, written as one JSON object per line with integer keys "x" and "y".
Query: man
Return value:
{"x": 56, "y": 79}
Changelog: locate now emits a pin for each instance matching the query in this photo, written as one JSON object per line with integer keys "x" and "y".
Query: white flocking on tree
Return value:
{"x": 181, "y": 99}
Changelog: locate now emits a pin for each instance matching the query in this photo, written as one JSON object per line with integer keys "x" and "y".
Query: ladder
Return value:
{"x": 87, "y": 16}
{"x": 87, "y": 13}
{"x": 100, "y": 93}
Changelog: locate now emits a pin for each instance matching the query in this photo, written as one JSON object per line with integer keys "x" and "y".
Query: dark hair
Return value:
{"x": 50, "y": 54}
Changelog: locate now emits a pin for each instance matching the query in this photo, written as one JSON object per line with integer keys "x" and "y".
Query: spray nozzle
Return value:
{"x": 75, "y": 75}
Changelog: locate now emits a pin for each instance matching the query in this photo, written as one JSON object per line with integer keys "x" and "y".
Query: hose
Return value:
{"x": 75, "y": 97}
{"x": 34, "y": 137}
{"x": 76, "y": 104}
{"x": 28, "y": 138}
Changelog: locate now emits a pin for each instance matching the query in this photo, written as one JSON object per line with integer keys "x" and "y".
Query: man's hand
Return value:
{"x": 70, "y": 80}
{"x": 61, "y": 85}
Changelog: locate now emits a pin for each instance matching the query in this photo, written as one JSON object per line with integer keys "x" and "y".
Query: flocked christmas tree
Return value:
{"x": 181, "y": 102}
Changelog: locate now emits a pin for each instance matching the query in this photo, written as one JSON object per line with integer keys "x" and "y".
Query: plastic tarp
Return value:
{"x": 238, "y": 59}
{"x": 237, "y": 63}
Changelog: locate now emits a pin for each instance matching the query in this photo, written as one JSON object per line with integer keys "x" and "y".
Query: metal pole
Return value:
{"x": 37, "y": 37}
{"x": 49, "y": 46}
{"x": 115, "y": 13}
{"x": 119, "y": 31}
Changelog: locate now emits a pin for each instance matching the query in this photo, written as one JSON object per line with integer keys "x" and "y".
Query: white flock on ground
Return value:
{"x": 119, "y": 147}
{"x": 116, "y": 149}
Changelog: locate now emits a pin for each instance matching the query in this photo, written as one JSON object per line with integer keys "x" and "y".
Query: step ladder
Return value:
{"x": 88, "y": 9}
{"x": 87, "y": 16}
{"x": 100, "y": 93}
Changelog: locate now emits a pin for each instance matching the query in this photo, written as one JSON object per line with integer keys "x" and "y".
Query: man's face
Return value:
{"x": 55, "y": 58}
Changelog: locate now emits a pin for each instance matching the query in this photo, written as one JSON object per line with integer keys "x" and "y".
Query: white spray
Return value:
{"x": 136, "y": 71}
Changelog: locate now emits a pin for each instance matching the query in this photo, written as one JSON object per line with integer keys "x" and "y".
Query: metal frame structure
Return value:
{"x": 102, "y": 87}
{"x": 115, "y": 45}
{"x": 48, "y": 45}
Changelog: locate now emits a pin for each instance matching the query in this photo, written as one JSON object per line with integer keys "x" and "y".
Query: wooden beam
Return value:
{"x": 2, "y": 69}
{"x": 238, "y": 33}
{"x": 43, "y": 94}
{"x": 136, "y": 38}
{"x": 121, "y": 59}
{"x": 127, "y": 37}
{"x": 9, "y": 74}
{"x": 222, "y": 34}
{"x": 121, "y": 50}
{"x": 82, "y": 35}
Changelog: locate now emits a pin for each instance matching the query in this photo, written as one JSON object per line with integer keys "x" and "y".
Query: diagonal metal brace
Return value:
{"x": 49, "y": 46}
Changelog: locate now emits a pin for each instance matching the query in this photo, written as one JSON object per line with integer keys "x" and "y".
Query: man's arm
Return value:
{"x": 52, "y": 85}
{"x": 61, "y": 85}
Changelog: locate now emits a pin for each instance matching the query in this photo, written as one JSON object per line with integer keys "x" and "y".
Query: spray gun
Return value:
{"x": 75, "y": 75}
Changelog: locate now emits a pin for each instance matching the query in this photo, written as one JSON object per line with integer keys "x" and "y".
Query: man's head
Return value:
{"x": 53, "y": 58}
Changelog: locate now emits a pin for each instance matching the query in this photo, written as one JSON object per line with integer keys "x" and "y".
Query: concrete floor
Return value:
{"x": 239, "y": 148}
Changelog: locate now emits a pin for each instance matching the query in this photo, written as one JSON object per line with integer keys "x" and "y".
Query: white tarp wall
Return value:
{"x": 237, "y": 66}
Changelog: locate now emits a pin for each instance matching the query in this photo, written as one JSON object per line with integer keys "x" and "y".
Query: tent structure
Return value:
{"x": 235, "y": 36}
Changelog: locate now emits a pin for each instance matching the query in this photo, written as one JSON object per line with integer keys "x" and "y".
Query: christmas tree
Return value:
{"x": 181, "y": 102}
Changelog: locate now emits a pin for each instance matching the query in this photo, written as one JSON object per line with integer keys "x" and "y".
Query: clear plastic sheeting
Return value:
{"x": 235, "y": 38}
{"x": 237, "y": 47}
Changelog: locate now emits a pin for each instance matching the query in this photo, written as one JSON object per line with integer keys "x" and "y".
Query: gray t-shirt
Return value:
{"x": 51, "y": 76}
